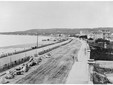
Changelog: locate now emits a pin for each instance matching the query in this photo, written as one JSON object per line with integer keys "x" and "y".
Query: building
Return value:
{"x": 96, "y": 34}
{"x": 85, "y": 32}
{"x": 105, "y": 34}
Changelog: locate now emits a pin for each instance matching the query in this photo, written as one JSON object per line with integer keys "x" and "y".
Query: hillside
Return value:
{"x": 55, "y": 31}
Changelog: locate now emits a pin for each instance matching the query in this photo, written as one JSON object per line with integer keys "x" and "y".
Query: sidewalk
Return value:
{"x": 79, "y": 71}
{"x": 78, "y": 74}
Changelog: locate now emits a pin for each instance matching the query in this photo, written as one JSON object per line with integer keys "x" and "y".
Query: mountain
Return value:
{"x": 56, "y": 31}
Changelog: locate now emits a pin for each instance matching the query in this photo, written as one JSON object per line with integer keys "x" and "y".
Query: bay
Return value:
{"x": 10, "y": 43}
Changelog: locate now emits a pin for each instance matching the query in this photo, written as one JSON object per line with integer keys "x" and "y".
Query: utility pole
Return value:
{"x": 10, "y": 61}
{"x": 36, "y": 55}
{"x": 37, "y": 39}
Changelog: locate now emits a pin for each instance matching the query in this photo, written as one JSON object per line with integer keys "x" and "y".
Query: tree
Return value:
{"x": 100, "y": 40}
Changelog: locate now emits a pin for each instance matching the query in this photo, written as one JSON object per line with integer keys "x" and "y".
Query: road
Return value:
{"x": 6, "y": 60}
{"x": 24, "y": 54}
{"x": 53, "y": 70}
{"x": 66, "y": 64}
{"x": 79, "y": 73}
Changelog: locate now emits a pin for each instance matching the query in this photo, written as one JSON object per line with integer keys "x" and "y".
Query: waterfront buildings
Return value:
{"x": 105, "y": 34}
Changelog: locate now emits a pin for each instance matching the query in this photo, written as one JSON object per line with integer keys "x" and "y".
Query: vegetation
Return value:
{"x": 98, "y": 52}
{"x": 100, "y": 40}
{"x": 101, "y": 54}
{"x": 97, "y": 79}
{"x": 99, "y": 76}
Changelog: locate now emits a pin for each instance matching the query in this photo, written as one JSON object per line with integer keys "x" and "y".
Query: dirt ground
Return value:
{"x": 52, "y": 70}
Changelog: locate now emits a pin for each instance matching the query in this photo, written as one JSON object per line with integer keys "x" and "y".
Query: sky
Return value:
{"x": 25, "y": 15}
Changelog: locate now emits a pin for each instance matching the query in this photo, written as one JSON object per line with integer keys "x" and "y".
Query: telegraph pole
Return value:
{"x": 37, "y": 39}
{"x": 10, "y": 60}
{"x": 36, "y": 55}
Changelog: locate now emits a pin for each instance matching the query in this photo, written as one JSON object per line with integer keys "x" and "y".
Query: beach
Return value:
{"x": 12, "y": 43}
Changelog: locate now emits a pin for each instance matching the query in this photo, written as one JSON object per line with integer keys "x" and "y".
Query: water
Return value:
{"x": 12, "y": 58}
{"x": 10, "y": 43}
{"x": 8, "y": 40}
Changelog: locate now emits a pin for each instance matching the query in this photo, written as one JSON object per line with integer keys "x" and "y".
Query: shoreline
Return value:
{"x": 15, "y": 41}
{"x": 19, "y": 46}
{"x": 26, "y": 45}
{"x": 13, "y": 48}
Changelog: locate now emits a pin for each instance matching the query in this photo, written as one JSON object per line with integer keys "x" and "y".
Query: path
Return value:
{"x": 32, "y": 52}
{"x": 28, "y": 53}
{"x": 67, "y": 64}
{"x": 79, "y": 72}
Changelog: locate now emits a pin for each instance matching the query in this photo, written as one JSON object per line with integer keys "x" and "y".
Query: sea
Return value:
{"x": 10, "y": 43}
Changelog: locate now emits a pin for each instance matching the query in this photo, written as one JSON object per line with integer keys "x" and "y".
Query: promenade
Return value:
{"x": 52, "y": 70}
{"x": 79, "y": 73}
{"x": 28, "y": 53}
{"x": 60, "y": 67}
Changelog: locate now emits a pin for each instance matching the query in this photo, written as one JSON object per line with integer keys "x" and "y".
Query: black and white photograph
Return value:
{"x": 56, "y": 42}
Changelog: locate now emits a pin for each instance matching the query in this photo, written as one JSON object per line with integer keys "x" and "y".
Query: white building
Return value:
{"x": 97, "y": 34}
